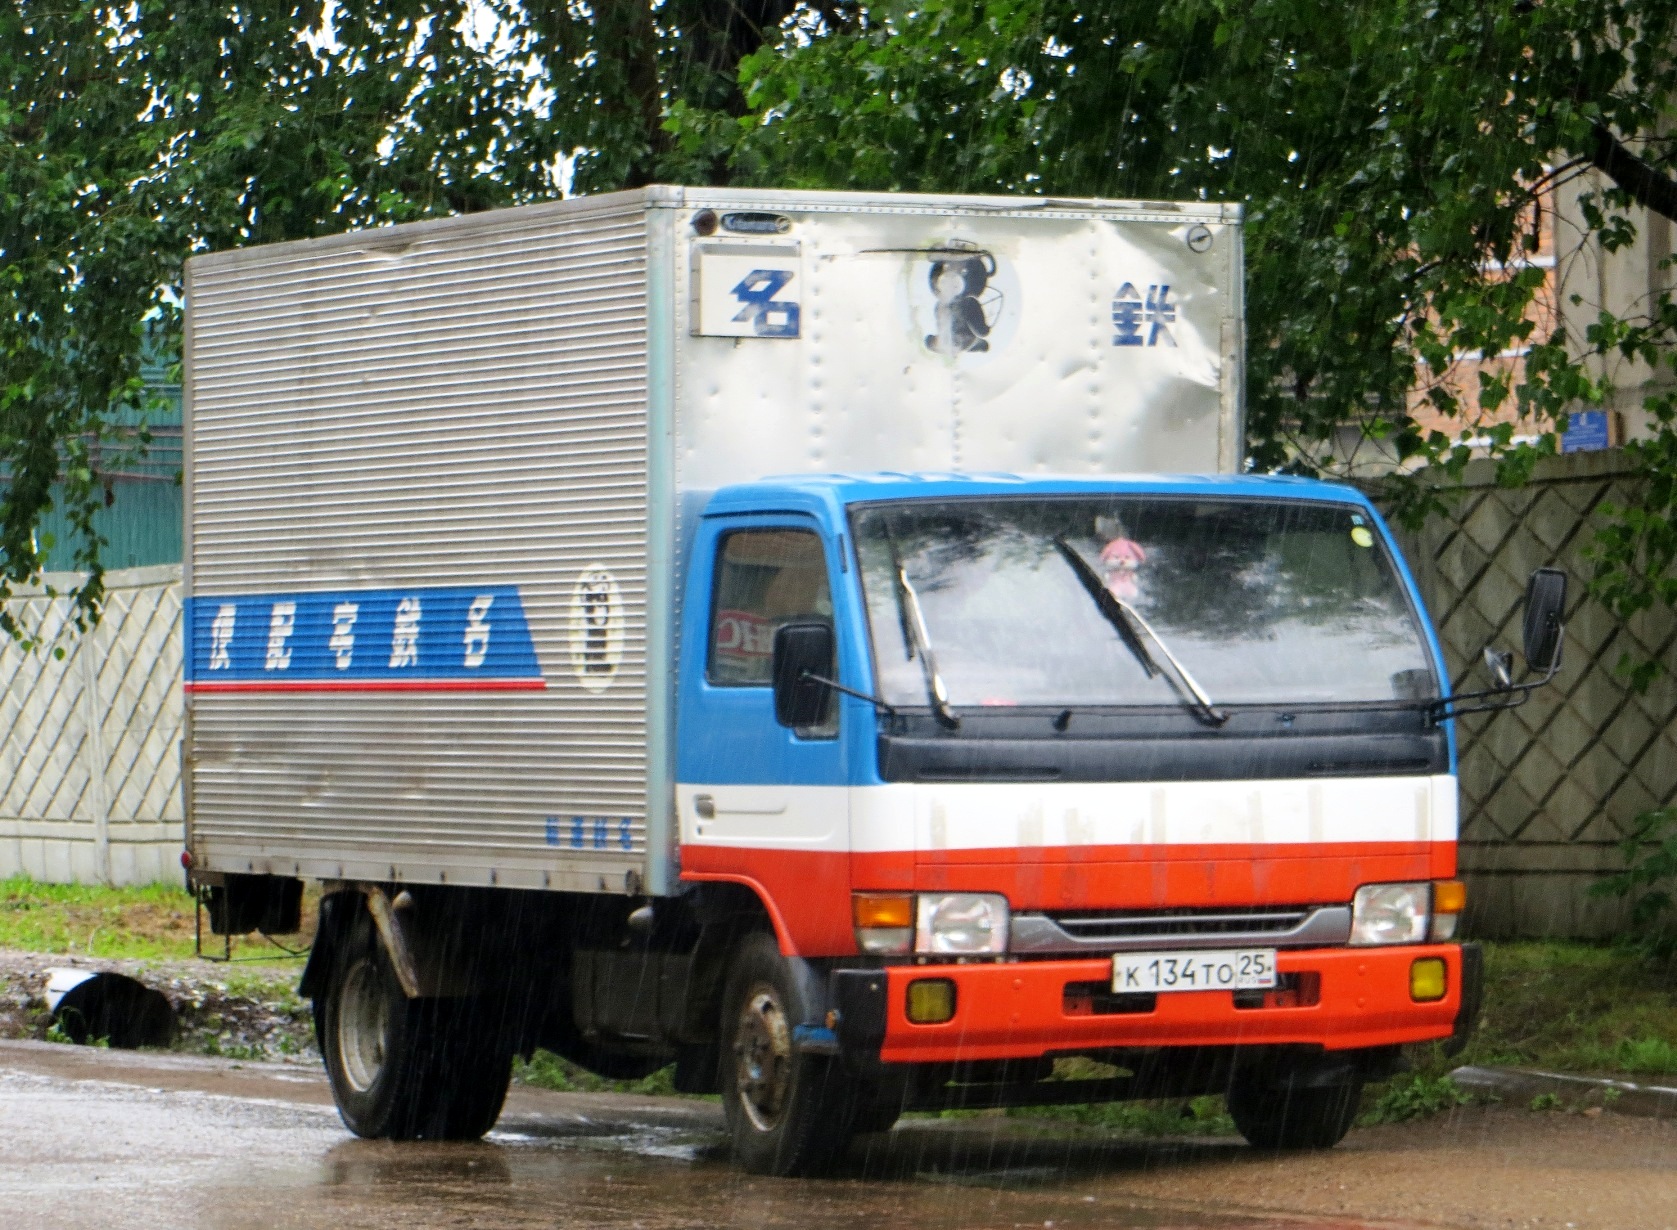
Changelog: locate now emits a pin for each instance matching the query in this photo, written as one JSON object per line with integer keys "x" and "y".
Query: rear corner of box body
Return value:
{"x": 663, "y": 537}
{"x": 418, "y": 527}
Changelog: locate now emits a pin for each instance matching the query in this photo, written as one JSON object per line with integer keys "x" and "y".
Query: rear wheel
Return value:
{"x": 1288, "y": 1116}
{"x": 406, "y": 1069}
{"x": 787, "y": 1113}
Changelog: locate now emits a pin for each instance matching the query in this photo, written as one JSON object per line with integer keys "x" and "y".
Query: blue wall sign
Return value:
{"x": 420, "y": 639}
{"x": 1585, "y": 430}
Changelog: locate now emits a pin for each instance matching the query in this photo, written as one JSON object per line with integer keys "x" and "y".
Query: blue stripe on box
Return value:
{"x": 420, "y": 639}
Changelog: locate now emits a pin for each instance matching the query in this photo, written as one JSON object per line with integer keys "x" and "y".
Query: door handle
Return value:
{"x": 705, "y": 806}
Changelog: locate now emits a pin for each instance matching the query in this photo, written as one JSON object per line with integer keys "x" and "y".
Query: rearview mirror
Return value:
{"x": 1545, "y": 603}
{"x": 801, "y": 650}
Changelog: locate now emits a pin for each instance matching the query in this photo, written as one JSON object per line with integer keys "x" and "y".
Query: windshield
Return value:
{"x": 1264, "y": 601}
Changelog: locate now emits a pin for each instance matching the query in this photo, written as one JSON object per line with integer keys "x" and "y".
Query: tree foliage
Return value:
{"x": 1394, "y": 157}
{"x": 133, "y": 134}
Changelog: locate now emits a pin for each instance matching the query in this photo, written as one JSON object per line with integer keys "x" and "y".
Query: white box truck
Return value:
{"x": 754, "y": 630}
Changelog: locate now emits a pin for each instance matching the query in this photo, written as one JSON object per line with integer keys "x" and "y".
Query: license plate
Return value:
{"x": 1247, "y": 969}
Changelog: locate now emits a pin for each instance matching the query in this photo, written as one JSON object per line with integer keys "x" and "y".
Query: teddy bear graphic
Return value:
{"x": 966, "y": 303}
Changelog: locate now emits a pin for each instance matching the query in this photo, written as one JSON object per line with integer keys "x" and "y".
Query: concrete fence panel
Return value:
{"x": 90, "y": 741}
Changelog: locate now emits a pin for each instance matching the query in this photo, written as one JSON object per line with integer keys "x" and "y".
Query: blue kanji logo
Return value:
{"x": 769, "y": 317}
{"x": 1133, "y": 315}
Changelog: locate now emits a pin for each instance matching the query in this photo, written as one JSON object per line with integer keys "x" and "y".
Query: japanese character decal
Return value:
{"x": 221, "y": 636}
{"x": 477, "y": 631}
{"x": 404, "y": 637}
{"x": 342, "y": 642}
{"x": 281, "y": 620}
{"x": 767, "y": 315}
{"x": 1138, "y": 321}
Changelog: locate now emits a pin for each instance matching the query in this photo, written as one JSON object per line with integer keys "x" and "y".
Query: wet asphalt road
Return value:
{"x": 109, "y": 1139}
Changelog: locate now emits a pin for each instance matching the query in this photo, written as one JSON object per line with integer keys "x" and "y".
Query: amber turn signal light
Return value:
{"x": 1449, "y": 897}
{"x": 872, "y": 910}
{"x": 884, "y": 922}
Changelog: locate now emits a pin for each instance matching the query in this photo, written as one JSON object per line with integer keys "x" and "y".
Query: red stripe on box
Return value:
{"x": 373, "y": 685}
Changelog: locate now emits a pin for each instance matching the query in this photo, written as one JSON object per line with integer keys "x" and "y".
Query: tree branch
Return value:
{"x": 1640, "y": 181}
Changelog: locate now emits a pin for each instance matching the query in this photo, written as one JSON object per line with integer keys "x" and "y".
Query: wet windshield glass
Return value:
{"x": 1264, "y": 601}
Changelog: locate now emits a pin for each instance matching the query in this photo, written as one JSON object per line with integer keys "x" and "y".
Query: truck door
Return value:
{"x": 759, "y": 803}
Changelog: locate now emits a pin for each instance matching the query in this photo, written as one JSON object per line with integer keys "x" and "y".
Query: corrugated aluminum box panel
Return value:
{"x": 407, "y": 422}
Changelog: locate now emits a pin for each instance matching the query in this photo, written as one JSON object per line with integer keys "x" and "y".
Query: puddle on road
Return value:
{"x": 518, "y": 1179}
{"x": 91, "y": 1154}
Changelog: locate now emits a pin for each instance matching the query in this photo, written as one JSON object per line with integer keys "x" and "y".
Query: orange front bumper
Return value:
{"x": 1020, "y": 1010}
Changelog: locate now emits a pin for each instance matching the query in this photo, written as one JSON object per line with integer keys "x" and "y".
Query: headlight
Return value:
{"x": 961, "y": 923}
{"x": 1390, "y": 914}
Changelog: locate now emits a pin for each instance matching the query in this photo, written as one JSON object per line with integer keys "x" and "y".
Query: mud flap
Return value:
{"x": 1473, "y": 999}
{"x": 859, "y": 998}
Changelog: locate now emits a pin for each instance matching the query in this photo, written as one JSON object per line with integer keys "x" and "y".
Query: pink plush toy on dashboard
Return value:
{"x": 1121, "y": 559}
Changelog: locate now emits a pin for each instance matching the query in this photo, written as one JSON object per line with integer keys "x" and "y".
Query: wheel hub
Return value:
{"x": 363, "y": 1025}
{"x": 763, "y": 1059}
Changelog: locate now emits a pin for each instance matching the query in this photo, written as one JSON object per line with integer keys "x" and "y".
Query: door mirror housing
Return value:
{"x": 1545, "y": 604}
{"x": 802, "y": 650}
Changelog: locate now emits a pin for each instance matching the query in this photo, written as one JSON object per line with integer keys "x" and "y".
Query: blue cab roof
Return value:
{"x": 830, "y": 493}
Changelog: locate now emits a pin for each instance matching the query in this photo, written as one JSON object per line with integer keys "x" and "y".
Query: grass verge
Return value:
{"x": 1576, "y": 1008}
{"x": 153, "y": 922}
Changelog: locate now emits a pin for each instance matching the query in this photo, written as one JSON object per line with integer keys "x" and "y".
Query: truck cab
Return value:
{"x": 1141, "y": 770}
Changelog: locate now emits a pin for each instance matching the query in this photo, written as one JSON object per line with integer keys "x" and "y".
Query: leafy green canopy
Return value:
{"x": 1395, "y": 157}
{"x": 133, "y": 134}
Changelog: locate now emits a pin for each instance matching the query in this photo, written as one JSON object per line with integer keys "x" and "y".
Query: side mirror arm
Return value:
{"x": 1511, "y": 697}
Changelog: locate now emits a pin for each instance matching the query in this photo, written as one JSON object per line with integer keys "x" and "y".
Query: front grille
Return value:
{"x": 1166, "y": 925}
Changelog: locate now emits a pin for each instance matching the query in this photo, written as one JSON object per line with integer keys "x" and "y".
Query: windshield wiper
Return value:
{"x": 920, "y": 642}
{"x": 1126, "y": 620}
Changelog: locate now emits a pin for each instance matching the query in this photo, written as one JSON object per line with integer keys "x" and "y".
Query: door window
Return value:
{"x": 764, "y": 579}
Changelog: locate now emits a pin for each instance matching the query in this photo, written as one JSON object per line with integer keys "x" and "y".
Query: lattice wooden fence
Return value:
{"x": 90, "y": 743}
{"x": 1549, "y": 789}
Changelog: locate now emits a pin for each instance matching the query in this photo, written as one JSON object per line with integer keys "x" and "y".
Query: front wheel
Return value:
{"x": 787, "y": 1113}
{"x": 406, "y": 1069}
{"x": 1288, "y": 1116}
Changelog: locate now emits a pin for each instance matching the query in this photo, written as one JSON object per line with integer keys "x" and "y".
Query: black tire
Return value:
{"x": 787, "y": 1113}
{"x": 875, "y": 1116}
{"x": 1286, "y": 1116}
{"x": 406, "y": 1069}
